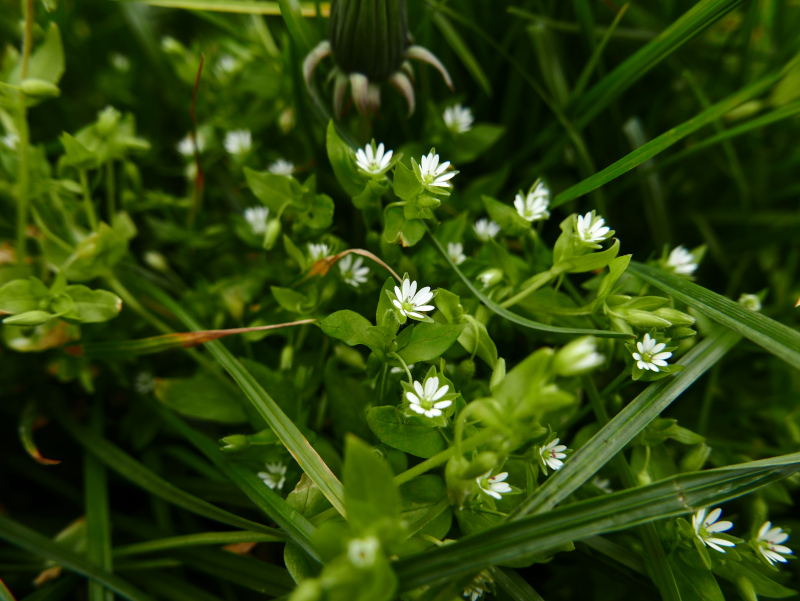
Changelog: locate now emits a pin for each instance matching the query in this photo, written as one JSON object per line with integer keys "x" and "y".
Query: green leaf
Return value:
{"x": 406, "y": 185}
{"x": 21, "y": 296}
{"x": 778, "y": 339}
{"x": 319, "y": 215}
{"x": 429, "y": 341}
{"x": 299, "y": 564}
{"x": 589, "y": 262}
{"x": 196, "y": 540}
{"x": 421, "y": 498}
{"x": 695, "y": 582}
{"x": 472, "y": 144}
{"x": 202, "y": 397}
{"x": 386, "y": 314}
{"x": 47, "y": 63}
{"x": 352, "y": 329}
{"x": 274, "y": 191}
{"x": 289, "y": 434}
{"x": 343, "y": 163}
{"x": 412, "y": 232}
{"x": 349, "y": 399}
{"x": 370, "y": 494}
{"x": 29, "y": 318}
{"x": 404, "y": 433}
{"x": 606, "y": 513}
{"x": 506, "y": 217}
{"x": 513, "y": 317}
{"x": 92, "y": 306}
{"x": 292, "y": 300}
{"x": 297, "y": 25}
{"x": 395, "y": 220}
{"x": 33, "y": 542}
{"x": 77, "y": 155}
{"x": 762, "y": 584}
{"x": 475, "y": 339}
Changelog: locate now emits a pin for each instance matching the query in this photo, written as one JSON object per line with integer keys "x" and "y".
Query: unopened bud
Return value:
{"x": 309, "y": 589}
{"x": 499, "y": 374}
{"x": 577, "y": 357}
{"x": 750, "y": 302}
{"x": 39, "y": 88}
{"x": 107, "y": 121}
{"x": 483, "y": 463}
{"x": 675, "y": 317}
{"x": 490, "y": 277}
{"x": 644, "y": 319}
{"x": 235, "y": 442}
{"x": 272, "y": 234}
{"x": 287, "y": 356}
{"x": 156, "y": 260}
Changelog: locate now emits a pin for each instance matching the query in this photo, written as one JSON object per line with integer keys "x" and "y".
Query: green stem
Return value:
{"x": 24, "y": 182}
{"x": 134, "y": 304}
{"x": 403, "y": 363}
{"x": 49, "y": 233}
{"x": 534, "y": 284}
{"x": 110, "y": 191}
{"x": 622, "y": 379}
{"x": 470, "y": 443}
{"x": 87, "y": 200}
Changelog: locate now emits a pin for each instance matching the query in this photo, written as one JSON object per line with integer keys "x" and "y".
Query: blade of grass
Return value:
{"x": 462, "y": 51}
{"x": 27, "y": 422}
{"x": 513, "y": 317}
{"x": 540, "y": 533}
{"x": 286, "y": 516}
{"x": 196, "y": 540}
{"x": 30, "y": 540}
{"x": 634, "y": 418}
{"x": 125, "y": 465}
{"x": 308, "y": 9}
{"x": 5, "y": 594}
{"x": 515, "y": 585}
{"x": 780, "y": 340}
{"x": 172, "y": 588}
{"x": 586, "y": 74}
{"x": 291, "y": 437}
{"x": 98, "y": 524}
{"x": 667, "y": 139}
{"x": 293, "y": 16}
{"x": 54, "y": 591}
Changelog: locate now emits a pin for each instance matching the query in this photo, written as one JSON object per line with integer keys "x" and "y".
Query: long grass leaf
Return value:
{"x": 5, "y": 594}
{"x": 30, "y": 540}
{"x": 461, "y": 48}
{"x": 125, "y": 465}
{"x": 196, "y": 540}
{"x": 98, "y": 523}
{"x": 780, "y": 340}
{"x": 291, "y": 437}
{"x": 613, "y": 437}
{"x": 308, "y": 9}
{"x": 513, "y": 317}
{"x": 54, "y": 591}
{"x": 583, "y": 78}
{"x": 286, "y": 516}
{"x": 539, "y": 533}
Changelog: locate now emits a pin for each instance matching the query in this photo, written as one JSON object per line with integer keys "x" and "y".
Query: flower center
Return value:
{"x": 408, "y": 306}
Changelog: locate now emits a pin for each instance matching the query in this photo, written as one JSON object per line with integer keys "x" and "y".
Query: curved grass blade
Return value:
{"x": 308, "y": 9}
{"x": 271, "y": 503}
{"x": 30, "y": 540}
{"x": 196, "y": 540}
{"x": 515, "y": 585}
{"x": 462, "y": 51}
{"x": 27, "y": 423}
{"x": 609, "y": 513}
{"x": 780, "y": 340}
{"x": 125, "y": 465}
{"x": 624, "y": 427}
{"x": 5, "y": 594}
{"x": 54, "y": 591}
{"x": 513, "y": 317}
{"x": 98, "y": 522}
{"x": 291, "y": 437}
{"x": 667, "y": 139}
{"x": 583, "y": 79}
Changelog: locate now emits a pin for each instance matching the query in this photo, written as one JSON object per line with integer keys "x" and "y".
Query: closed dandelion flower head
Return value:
{"x": 591, "y": 228}
{"x": 494, "y": 486}
{"x": 362, "y": 551}
{"x": 770, "y": 543}
{"x": 432, "y": 173}
{"x": 552, "y": 454}
{"x": 455, "y": 250}
{"x": 425, "y": 400}
{"x": 281, "y": 167}
{"x": 533, "y": 207}
{"x": 706, "y": 525}
{"x": 410, "y": 302}
{"x": 458, "y": 119}
{"x": 275, "y": 476}
{"x": 257, "y": 218}
{"x": 681, "y": 261}
{"x": 353, "y": 272}
{"x": 238, "y": 142}
{"x": 373, "y": 160}
{"x": 651, "y": 354}
{"x": 318, "y": 251}
{"x": 485, "y": 229}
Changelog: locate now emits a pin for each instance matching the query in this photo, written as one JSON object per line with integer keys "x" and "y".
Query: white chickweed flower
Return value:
{"x": 432, "y": 173}
{"x": 410, "y": 302}
{"x": 186, "y": 145}
{"x": 317, "y": 251}
{"x": 681, "y": 261}
{"x": 706, "y": 526}
{"x": 10, "y": 140}
{"x": 425, "y": 400}
{"x": 591, "y": 228}
{"x": 770, "y": 541}
{"x": 238, "y": 142}
{"x": 486, "y": 229}
{"x": 478, "y": 587}
{"x": 494, "y": 486}
{"x": 144, "y": 383}
{"x": 750, "y": 302}
{"x": 650, "y": 355}
{"x": 373, "y": 161}
{"x": 362, "y": 551}
{"x": 275, "y": 476}
{"x": 552, "y": 453}
{"x": 281, "y": 167}
{"x": 227, "y": 64}
{"x": 534, "y": 206}
{"x": 257, "y": 218}
{"x": 353, "y": 272}
{"x": 455, "y": 250}
{"x": 458, "y": 119}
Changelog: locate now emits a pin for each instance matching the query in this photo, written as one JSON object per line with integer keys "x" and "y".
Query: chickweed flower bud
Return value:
{"x": 750, "y": 302}
{"x": 578, "y": 357}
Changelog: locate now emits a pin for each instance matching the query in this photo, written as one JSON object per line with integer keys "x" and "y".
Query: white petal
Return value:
{"x": 397, "y": 304}
{"x": 712, "y": 517}
{"x": 419, "y": 389}
{"x": 765, "y": 527}
{"x": 659, "y": 347}
{"x": 441, "y": 392}
{"x": 443, "y": 404}
{"x": 499, "y": 477}
{"x": 431, "y": 386}
{"x": 720, "y": 526}
{"x": 782, "y": 549}
{"x": 720, "y": 541}
{"x": 417, "y": 409}
{"x": 412, "y": 398}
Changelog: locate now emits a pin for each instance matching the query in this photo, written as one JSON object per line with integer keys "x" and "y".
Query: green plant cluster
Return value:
{"x": 534, "y": 339}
